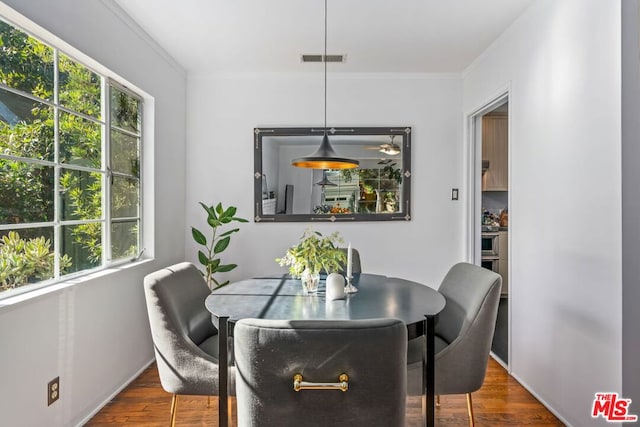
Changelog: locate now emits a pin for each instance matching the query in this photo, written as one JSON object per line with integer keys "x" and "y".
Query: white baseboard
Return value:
{"x": 529, "y": 389}
{"x": 541, "y": 400}
{"x": 115, "y": 393}
{"x": 499, "y": 360}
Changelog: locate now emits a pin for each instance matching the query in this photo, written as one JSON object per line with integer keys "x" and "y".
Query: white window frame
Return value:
{"x": 106, "y": 221}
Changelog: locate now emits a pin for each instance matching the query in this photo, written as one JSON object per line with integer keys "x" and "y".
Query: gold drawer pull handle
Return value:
{"x": 343, "y": 385}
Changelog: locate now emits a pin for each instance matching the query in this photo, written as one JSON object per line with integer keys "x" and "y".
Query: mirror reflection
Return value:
{"x": 378, "y": 189}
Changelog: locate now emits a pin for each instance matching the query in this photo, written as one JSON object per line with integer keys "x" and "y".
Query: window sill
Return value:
{"x": 12, "y": 301}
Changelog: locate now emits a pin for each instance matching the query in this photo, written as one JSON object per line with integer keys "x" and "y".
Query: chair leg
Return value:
{"x": 208, "y": 401}
{"x": 174, "y": 408}
{"x": 470, "y": 409}
{"x": 437, "y": 400}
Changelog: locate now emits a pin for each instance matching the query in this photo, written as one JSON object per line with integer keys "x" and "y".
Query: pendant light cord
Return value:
{"x": 324, "y": 59}
{"x": 325, "y": 157}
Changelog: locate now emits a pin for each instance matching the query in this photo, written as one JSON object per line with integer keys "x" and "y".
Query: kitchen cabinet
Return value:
{"x": 495, "y": 146}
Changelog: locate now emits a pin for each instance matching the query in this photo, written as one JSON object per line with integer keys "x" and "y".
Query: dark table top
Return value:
{"x": 280, "y": 297}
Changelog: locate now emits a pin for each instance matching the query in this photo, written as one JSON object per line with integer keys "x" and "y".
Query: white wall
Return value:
{"x": 223, "y": 110}
{"x": 630, "y": 201}
{"x": 562, "y": 62}
{"x": 95, "y": 335}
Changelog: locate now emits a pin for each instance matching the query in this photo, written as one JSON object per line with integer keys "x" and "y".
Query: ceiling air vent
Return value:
{"x": 318, "y": 58}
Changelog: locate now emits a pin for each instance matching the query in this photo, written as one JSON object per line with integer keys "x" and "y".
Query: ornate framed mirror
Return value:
{"x": 378, "y": 190}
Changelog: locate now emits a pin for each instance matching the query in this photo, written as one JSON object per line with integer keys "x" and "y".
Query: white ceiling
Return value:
{"x": 414, "y": 36}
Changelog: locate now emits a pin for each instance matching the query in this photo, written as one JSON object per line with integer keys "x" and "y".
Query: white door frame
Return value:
{"x": 473, "y": 148}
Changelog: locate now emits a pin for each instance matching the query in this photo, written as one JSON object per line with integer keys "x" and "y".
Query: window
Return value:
{"x": 70, "y": 142}
{"x": 374, "y": 188}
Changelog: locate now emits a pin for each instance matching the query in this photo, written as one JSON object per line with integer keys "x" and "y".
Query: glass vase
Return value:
{"x": 310, "y": 281}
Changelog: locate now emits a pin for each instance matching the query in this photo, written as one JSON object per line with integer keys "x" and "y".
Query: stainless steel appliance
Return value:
{"x": 489, "y": 244}
{"x": 495, "y": 255}
{"x": 490, "y": 263}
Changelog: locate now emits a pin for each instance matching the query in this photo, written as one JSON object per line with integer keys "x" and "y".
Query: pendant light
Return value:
{"x": 325, "y": 156}
{"x": 325, "y": 181}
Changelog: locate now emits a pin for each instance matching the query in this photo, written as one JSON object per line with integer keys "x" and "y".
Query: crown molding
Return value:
{"x": 315, "y": 75}
{"x": 123, "y": 16}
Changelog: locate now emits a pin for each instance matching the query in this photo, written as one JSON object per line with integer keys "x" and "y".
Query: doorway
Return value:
{"x": 489, "y": 207}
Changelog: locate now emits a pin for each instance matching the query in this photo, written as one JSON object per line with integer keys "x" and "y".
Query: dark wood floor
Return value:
{"x": 501, "y": 401}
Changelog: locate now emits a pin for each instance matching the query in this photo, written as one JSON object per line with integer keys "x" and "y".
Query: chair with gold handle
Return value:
{"x": 368, "y": 358}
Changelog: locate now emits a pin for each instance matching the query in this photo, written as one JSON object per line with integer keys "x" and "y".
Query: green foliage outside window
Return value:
{"x": 25, "y": 63}
{"x": 25, "y": 261}
{"x": 28, "y": 171}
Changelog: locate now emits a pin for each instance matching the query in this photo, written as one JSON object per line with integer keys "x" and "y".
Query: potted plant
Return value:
{"x": 216, "y": 218}
{"x": 368, "y": 192}
{"x": 314, "y": 253}
{"x": 390, "y": 201}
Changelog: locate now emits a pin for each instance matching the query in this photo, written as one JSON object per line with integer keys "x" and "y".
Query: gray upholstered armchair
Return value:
{"x": 269, "y": 353}
{"x": 464, "y": 331}
{"x": 184, "y": 338}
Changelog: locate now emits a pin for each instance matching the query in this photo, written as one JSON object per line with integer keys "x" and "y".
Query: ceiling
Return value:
{"x": 404, "y": 36}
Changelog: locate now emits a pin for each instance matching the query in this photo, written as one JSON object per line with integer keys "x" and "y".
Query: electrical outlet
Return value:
{"x": 53, "y": 390}
{"x": 454, "y": 194}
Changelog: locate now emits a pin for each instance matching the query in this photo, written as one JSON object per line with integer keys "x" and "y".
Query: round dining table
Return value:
{"x": 282, "y": 297}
